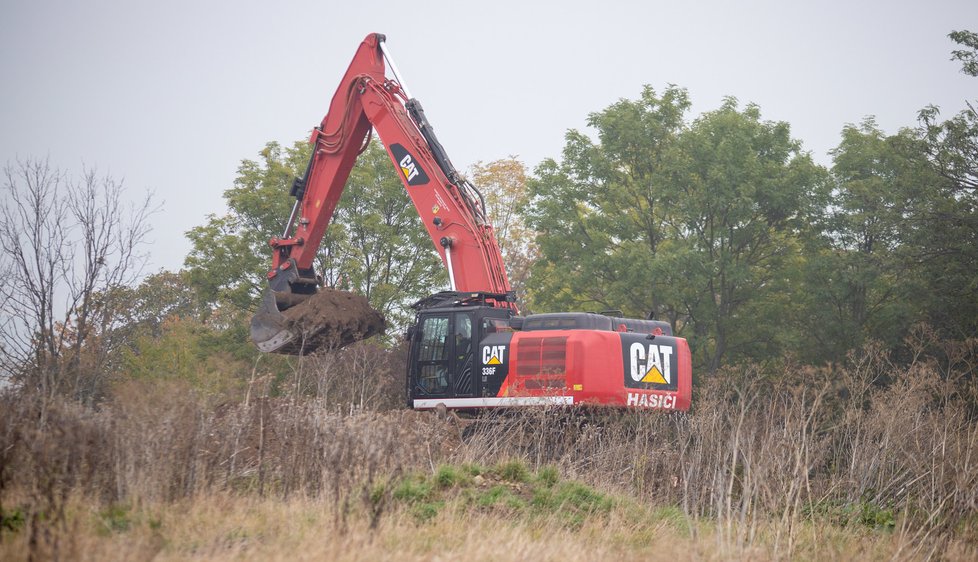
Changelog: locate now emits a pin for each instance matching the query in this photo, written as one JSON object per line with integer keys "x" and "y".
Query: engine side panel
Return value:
{"x": 623, "y": 369}
{"x": 578, "y": 367}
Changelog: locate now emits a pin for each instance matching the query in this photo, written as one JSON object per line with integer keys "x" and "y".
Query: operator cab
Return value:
{"x": 444, "y": 342}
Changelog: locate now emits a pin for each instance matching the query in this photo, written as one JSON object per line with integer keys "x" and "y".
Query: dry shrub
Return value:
{"x": 159, "y": 442}
{"x": 364, "y": 376}
{"x": 162, "y": 441}
{"x": 873, "y": 444}
{"x": 769, "y": 453}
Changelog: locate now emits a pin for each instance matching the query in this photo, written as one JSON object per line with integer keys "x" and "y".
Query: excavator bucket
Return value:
{"x": 301, "y": 324}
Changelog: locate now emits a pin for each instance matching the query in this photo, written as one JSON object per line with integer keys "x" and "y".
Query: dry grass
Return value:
{"x": 876, "y": 459}
{"x": 224, "y": 526}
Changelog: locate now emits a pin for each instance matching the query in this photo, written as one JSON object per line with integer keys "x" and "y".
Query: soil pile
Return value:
{"x": 332, "y": 319}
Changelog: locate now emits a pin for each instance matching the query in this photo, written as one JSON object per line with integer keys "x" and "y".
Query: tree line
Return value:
{"x": 724, "y": 226}
{"x": 720, "y": 223}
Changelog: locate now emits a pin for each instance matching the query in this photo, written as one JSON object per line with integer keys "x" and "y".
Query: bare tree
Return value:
{"x": 66, "y": 247}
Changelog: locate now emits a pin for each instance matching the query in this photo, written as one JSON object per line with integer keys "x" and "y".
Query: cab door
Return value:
{"x": 463, "y": 354}
{"x": 443, "y": 356}
{"x": 431, "y": 357}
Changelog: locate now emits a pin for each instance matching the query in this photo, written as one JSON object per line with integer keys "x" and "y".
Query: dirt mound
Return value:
{"x": 333, "y": 319}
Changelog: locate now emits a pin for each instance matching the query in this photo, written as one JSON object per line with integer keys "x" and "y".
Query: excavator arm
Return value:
{"x": 451, "y": 209}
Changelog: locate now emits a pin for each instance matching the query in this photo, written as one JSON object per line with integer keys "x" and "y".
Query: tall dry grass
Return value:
{"x": 221, "y": 526}
{"x": 771, "y": 460}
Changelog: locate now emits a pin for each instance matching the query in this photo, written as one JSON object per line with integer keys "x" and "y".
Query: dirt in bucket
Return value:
{"x": 332, "y": 319}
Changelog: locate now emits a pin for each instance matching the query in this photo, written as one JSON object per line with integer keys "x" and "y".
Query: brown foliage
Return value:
{"x": 787, "y": 445}
{"x": 503, "y": 183}
{"x": 793, "y": 444}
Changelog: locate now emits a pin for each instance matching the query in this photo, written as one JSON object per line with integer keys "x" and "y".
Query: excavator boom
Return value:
{"x": 296, "y": 315}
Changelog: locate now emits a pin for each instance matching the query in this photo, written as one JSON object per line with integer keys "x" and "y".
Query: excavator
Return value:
{"x": 470, "y": 349}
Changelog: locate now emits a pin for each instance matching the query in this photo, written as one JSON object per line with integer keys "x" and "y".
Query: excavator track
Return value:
{"x": 328, "y": 319}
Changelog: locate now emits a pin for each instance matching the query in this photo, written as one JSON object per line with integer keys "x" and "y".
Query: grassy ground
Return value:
{"x": 779, "y": 462}
{"x": 504, "y": 512}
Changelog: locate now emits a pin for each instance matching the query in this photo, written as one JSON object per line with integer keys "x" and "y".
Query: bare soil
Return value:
{"x": 333, "y": 319}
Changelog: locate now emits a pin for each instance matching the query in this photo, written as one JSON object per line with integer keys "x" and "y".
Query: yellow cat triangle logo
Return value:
{"x": 406, "y": 172}
{"x": 654, "y": 375}
{"x": 494, "y": 361}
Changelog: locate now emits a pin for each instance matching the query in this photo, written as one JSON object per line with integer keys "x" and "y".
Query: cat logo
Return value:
{"x": 651, "y": 365}
{"x": 412, "y": 171}
{"x": 493, "y": 354}
{"x": 408, "y": 168}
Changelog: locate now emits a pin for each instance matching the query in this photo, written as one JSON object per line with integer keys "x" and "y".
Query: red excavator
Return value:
{"x": 469, "y": 349}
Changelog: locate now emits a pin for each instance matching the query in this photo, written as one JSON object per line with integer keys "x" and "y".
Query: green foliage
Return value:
{"x": 509, "y": 486}
{"x": 160, "y": 296}
{"x": 212, "y": 361}
{"x": 897, "y": 244}
{"x": 969, "y": 55}
{"x": 448, "y": 476}
{"x": 375, "y": 244}
{"x": 724, "y": 226}
{"x": 945, "y": 215}
{"x": 572, "y": 495}
{"x": 474, "y": 469}
{"x": 12, "y": 520}
{"x": 748, "y": 195}
{"x": 875, "y": 517}
{"x": 601, "y": 211}
{"x": 513, "y": 471}
{"x": 856, "y": 285}
{"x": 115, "y": 518}
{"x": 698, "y": 222}
{"x": 424, "y": 512}
{"x": 498, "y": 495}
{"x": 230, "y": 253}
{"x": 413, "y": 489}
{"x": 548, "y": 476}
{"x": 418, "y": 493}
{"x": 572, "y": 502}
{"x": 863, "y": 512}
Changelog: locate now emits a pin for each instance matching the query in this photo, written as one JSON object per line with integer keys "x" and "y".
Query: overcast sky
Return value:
{"x": 172, "y": 95}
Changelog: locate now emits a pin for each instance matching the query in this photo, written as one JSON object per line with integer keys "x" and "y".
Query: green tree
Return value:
{"x": 747, "y": 195}
{"x": 601, "y": 212}
{"x": 210, "y": 360}
{"x": 969, "y": 55}
{"x": 857, "y": 283}
{"x": 375, "y": 244}
{"x": 942, "y": 244}
{"x": 699, "y": 222}
{"x": 158, "y": 297}
{"x": 952, "y": 145}
{"x": 230, "y": 252}
{"x": 171, "y": 335}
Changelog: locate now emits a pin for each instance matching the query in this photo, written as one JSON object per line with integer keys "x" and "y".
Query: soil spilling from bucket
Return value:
{"x": 332, "y": 319}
